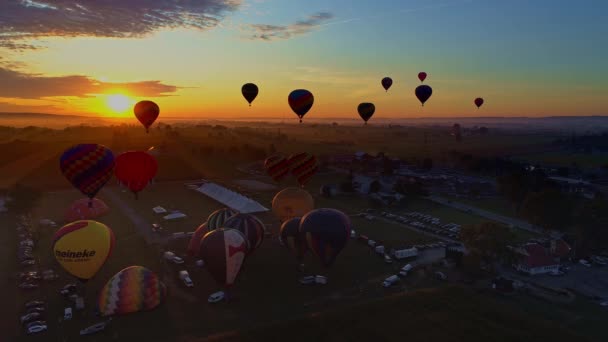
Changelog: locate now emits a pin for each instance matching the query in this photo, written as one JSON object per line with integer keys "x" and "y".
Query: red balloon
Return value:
{"x": 146, "y": 112}
{"x": 478, "y": 102}
{"x": 422, "y": 76}
{"x": 135, "y": 170}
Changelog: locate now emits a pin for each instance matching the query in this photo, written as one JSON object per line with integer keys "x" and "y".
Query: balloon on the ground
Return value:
{"x": 300, "y": 101}
{"x": 250, "y": 226}
{"x": 217, "y": 218}
{"x": 223, "y": 251}
{"x": 195, "y": 240}
{"x": 88, "y": 167}
{"x": 133, "y": 289}
{"x": 423, "y": 93}
{"x": 80, "y": 209}
{"x": 327, "y": 231}
{"x": 135, "y": 170}
{"x": 292, "y": 202}
{"x": 366, "y": 110}
{"x": 82, "y": 247}
{"x": 478, "y": 102}
{"x": 292, "y": 239}
{"x": 277, "y": 167}
{"x": 387, "y": 82}
{"x": 422, "y": 76}
{"x": 250, "y": 92}
{"x": 146, "y": 112}
{"x": 303, "y": 166}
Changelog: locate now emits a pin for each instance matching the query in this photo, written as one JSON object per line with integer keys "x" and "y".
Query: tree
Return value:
{"x": 549, "y": 209}
{"x": 488, "y": 240}
{"x": 591, "y": 226}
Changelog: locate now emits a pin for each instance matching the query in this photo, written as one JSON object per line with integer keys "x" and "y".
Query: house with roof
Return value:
{"x": 540, "y": 257}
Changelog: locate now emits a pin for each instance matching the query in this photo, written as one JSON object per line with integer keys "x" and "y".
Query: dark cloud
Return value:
{"x": 23, "y": 20}
{"x": 14, "y": 84}
{"x": 276, "y": 32}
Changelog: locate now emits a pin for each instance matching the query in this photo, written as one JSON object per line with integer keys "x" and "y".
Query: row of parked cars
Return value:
{"x": 427, "y": 223}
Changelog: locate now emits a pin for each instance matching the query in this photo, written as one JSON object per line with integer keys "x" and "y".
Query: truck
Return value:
{"x": 405, "y": 253}
{"x": 185, "y": 277}
{"x": 390, "y": 281}
{"x": 405, "y": 269}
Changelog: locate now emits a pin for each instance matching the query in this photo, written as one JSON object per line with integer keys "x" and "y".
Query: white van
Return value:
{"x": 390, "y": 281}
{"x": 319, "y": 279}
{"x": 67, "y": 314}
{"x": 216, "y": 297}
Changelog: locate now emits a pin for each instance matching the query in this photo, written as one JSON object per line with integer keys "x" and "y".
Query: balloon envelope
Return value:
{"x": 82, "y": 247}
{"x": 387, "y": 82}
{"x": 250, "y": 92}
{"x": 223, "y": 251}
{"x": 423, "y": 93}
{"x": 478, "y": 102}
{"x": 422, "y": 76}
{"x": 300, "y": 101}
{"x": 195, "y": 240}
{"x": 291, "y": 237}
{"x": 88, "y": 167}
{"x": 277, "y": 167}
{"x": 303, "y": 166}
{"x": 135, "y": 170}
{"x": 366, "y": 110}
{"x": 217, "y": 218}
{"x": 80, "y": 209}
{"x": 327, "y": 231}
{"x": 250, "y": 226}
{"x": 133, "y": 289}
{"x": 292, "y": 202}
{"x": 146, "y": 112}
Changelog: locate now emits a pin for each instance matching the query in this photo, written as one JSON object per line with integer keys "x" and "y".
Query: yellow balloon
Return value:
{"x": 292, "y": 202}
{"x": 82, "y": 247}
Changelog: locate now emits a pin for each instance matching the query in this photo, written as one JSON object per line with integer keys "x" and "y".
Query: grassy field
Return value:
{"x": 566, "y": 159}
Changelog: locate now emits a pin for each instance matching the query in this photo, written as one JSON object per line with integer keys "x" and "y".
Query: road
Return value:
{"x": 487, "y": 214}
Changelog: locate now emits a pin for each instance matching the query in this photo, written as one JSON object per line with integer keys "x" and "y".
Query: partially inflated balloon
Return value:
{"x": 82, "y": 247}
{"x": 133, "y": 289}
{"x": 88, "y": 167}
{"x": 146, "y": 112}
{"x": 387, "y": 82}
{"x": 250, "y": 92}
{"x": 303, "y": 166}
{"x": 366, "y": 110}
{"x": 195, "y": 240}
{"x": 135, "y": 170}
{"x": 217, "y": 218}
{"x": 250, "y": 226}
{"x": 292, "y": 238}
{"x": 80, "y": 209}
{"x": 292, "y": 202}
{"x": 327, "y": 231}
{"x": 478, "y": 102}
{"x": 277, "y": 167}
{"x": 423, "y": 93}
{"x": 300, "y": 101}
{"x": 223, "y": 251}
{"x": 422, "y": 76}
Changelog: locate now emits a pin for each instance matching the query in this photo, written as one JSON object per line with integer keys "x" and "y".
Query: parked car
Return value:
{"x": 34, "y": 303}
{"x": 307, "y": 280}
{"x": 31, "y": 324}
{"x": 39, "y": 309}
{"x": 390, "y": 281}
{"x": 93, "y": 329}
{"x": 440, "y": 276}
{"x": 67, "y": 314}
{"x": 185, "y": 277}
{"x": 29, "y": 275}
{"x": 68, "y": 289}
{"x": 30, "y": 317}
{"x": 28, "y": 262}
{"x": 218, "y": 296}
{"x": 36, "y": 329}
{"x": 319, "y": 279}
{"x": 585, "y": 263}
{"x": 28, "y": 286}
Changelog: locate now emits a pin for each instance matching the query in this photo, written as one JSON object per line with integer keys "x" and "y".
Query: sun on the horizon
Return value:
{"x": 119, "y": 103}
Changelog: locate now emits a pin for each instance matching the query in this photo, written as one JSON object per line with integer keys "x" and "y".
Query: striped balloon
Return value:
{"x": 250, "y": 226}
{"x": 195, "y": 240}
{"x": 133, "y": 289}
{"x": 223, "y": 251}
{"x": 326, "y": 231}
{"x": 217, "y": 218}
{"x": 303, "y": 166}
{"x": 88, "y": 167}
{"x": 300, "y": 101}
{"x": 277, "y": 167}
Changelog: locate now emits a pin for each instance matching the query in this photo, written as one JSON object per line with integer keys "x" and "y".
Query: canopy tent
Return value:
{"x": 159, "y": 210}
{"x": 231, "y": 199}
{"x": 174, "y": 215}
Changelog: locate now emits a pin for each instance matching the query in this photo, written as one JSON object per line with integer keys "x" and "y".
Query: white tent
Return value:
{"x": 159, "y": 210}
{"x": 231, "y": 199}
{"x": 174, "y": 216}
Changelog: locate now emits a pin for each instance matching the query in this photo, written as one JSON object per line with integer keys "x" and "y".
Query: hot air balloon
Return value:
{"x": 303, "y": 166}
{"x": 300, "y": 101}
{"x": 292, "y": 202}
{"x": 292, "y": 238}
{"x": 478, "y": 102}
{"x": 133, "y": 289}
{"x": 80, "y": 210}
{"x": 88, "y": 167}
{"x": 146, "y": 112}
{"x": 422, "y": 76}
{"x": 277, "y": 167}
{"x": 223, "y": 251}
{"x": 135, "y": 170}
{"x": 250, "y": 226}
{"x": 327, "y": 231}
{"x": 82, "y": 247}
{"x": 217, "y": 218}
{"x": 195, "y": 240}
{"x": 387, "y": 82}
{"x": 366, "y": 110}
{"x": 423, "y": 93}
{"x": 250, "y": 92}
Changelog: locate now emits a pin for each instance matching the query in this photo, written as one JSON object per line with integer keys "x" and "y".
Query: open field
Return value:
{"x": 566, "y": 159}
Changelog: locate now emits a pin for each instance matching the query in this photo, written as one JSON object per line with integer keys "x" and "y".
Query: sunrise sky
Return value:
{"x": 524, "y": 57}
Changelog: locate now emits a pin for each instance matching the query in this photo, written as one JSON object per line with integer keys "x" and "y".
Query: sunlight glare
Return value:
{"x": 119, "y": 103}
